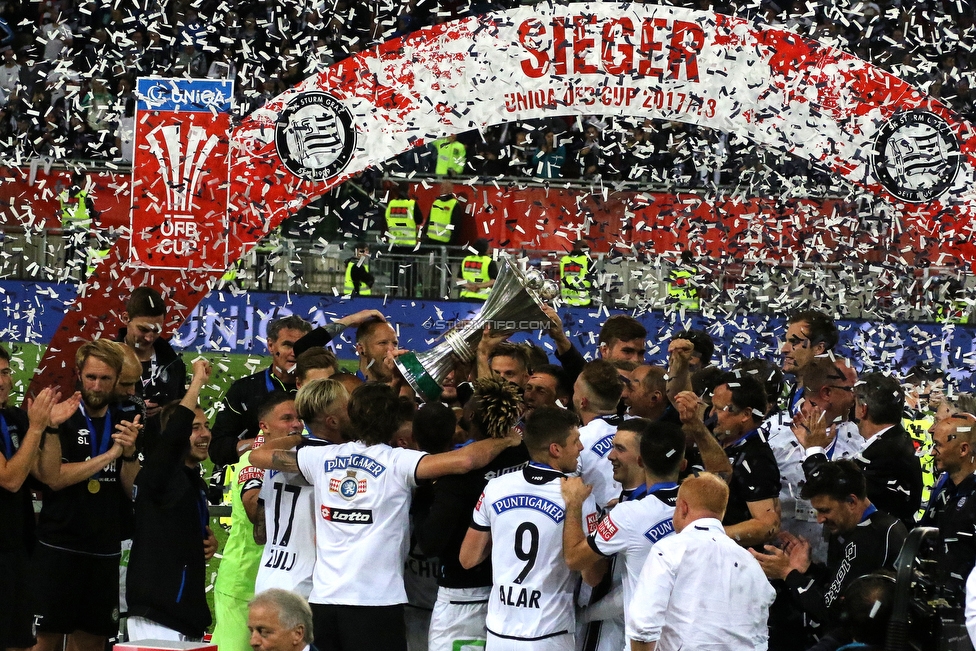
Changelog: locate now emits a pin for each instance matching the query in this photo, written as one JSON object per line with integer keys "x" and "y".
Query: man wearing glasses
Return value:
{"x": 809, "y": 333}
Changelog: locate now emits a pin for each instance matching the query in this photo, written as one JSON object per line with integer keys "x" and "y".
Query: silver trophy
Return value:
{"x": 515, "y": 303}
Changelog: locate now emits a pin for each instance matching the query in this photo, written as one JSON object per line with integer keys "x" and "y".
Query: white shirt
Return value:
{"x": 532, "y": 592}
{"x": 798, "y": 515}
{"x": 629, "y": 530}
{"x": 700, "y": 590}
{"x": 971, "y": 605}
{"x": 289, "y": 516}
{"x": 362, "y": 502}
{"x": 594, "y": 466}
{"x": 874, "y": 438}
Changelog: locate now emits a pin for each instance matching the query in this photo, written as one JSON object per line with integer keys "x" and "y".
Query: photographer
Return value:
{"x": 862, "y": 540}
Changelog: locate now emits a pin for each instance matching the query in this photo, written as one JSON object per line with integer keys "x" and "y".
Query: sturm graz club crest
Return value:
{"x": 916, "y": 156}
{"x": 314, "y": 136}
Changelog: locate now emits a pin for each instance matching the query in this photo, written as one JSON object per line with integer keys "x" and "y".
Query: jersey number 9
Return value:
{"x": 523, "y": 554}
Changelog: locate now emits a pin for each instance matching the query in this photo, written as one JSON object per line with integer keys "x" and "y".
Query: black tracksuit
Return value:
{"x": 871, "y": 545}
{"x": 443, "y": 531}
{"x": 166, "y": 580}
{"x": 953, "y": 510}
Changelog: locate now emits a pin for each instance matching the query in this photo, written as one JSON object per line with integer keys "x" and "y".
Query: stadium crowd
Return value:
{"x": 536, "y": 503}
{"x": 69, "y": 70}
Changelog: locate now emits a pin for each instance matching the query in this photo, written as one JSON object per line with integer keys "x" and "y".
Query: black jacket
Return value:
{"x": 446, "y": 524}
{"x": 237, "y": 419}
{"x": 161, "y": 383}
{"x": 892, "y": 472}
{"x": 872, "y": 545}
{"x": 166, "y": 580}
{"x": 953, "y": 510}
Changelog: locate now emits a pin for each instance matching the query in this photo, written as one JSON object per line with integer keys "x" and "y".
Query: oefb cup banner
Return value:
{"x": 181, "y": 174}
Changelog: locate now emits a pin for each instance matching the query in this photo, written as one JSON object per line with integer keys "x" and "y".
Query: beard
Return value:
{"x": 95, "y": 399}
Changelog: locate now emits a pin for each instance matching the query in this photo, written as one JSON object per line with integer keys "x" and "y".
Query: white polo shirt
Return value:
{"x": 798, "y": 515}
{"x": 700, "y": 590}
{"x": 362, "y": 505}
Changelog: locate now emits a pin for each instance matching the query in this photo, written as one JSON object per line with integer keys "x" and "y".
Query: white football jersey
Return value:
{"x": 362, "y": 504}
{"x": 532, "y": 595}
{"x": 594, "y": 466}
{"x": 631, "y": 528}
{"x": 289, "y": 516}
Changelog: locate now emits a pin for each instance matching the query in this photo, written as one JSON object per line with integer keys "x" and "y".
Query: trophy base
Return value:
{"x": 418, "y": 378}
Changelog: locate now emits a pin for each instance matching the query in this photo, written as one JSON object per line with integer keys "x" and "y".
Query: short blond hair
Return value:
{"x": 103, "y": 350}
{"x": 131, "y": 366}
{"x": 317, "y": 398}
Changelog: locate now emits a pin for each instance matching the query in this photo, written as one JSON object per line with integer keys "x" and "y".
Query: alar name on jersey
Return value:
{"x": 519, "y": 597}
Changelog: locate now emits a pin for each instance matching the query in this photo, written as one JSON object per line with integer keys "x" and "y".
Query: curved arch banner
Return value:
{"x": 769, "y": 85}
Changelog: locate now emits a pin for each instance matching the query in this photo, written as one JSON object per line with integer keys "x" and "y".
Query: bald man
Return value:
{"x": 952, "y": 507}
{"x": 723, "y": 597}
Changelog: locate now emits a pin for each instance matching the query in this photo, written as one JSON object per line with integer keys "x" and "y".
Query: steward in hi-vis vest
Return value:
{"x": 573, "y": 270}
{"x": 401, "y": 222}
{"x": 357, "y": 280}
{"x": 681, "y": 286}
{"x": 479, "y": 272}
{"x": 440, "y": 222}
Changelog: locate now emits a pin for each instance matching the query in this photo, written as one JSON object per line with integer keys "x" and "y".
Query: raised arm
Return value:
{"x": 14, "y": 471}
{"x": 679, "y": 375}
{"x": 690, "y": 410}
{"x": 457, "y": 462}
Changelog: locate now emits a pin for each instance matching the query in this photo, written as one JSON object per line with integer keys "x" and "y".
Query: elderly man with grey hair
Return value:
{"x": 280, "y": 621}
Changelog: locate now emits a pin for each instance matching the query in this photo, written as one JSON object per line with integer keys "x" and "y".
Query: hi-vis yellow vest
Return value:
{"x": 401, "y": 227}
{"x": 451, "y": 157}
{"x": 474, "y": 269}
{"x": 572, "y": 274}
{"x": 439, "y": 224}
{"x": 954, "y": 312}
{"x": 681, "y": 288}
{"x": 350, "y": 287}
{"x": 74, "y": 210}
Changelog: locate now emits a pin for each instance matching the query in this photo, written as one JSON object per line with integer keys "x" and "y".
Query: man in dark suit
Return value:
{"x": 887, "y": 459}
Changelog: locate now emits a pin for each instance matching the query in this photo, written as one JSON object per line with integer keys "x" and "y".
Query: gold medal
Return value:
{"x": 94, "y": 486}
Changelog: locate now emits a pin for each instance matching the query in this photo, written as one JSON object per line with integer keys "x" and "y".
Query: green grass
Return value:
{"x": 227, "y": 368}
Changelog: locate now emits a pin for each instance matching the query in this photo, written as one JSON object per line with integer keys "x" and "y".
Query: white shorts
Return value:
{"x": 140, "y": 628}
{"x": 564, "y": 642}
{"x": 458, "y": 620}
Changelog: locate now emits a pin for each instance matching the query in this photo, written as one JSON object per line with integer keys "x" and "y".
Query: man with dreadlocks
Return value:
{"x": 462, "y": 595}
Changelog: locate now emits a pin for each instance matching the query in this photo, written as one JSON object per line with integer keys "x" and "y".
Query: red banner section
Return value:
{"x": 626, "y": 222}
